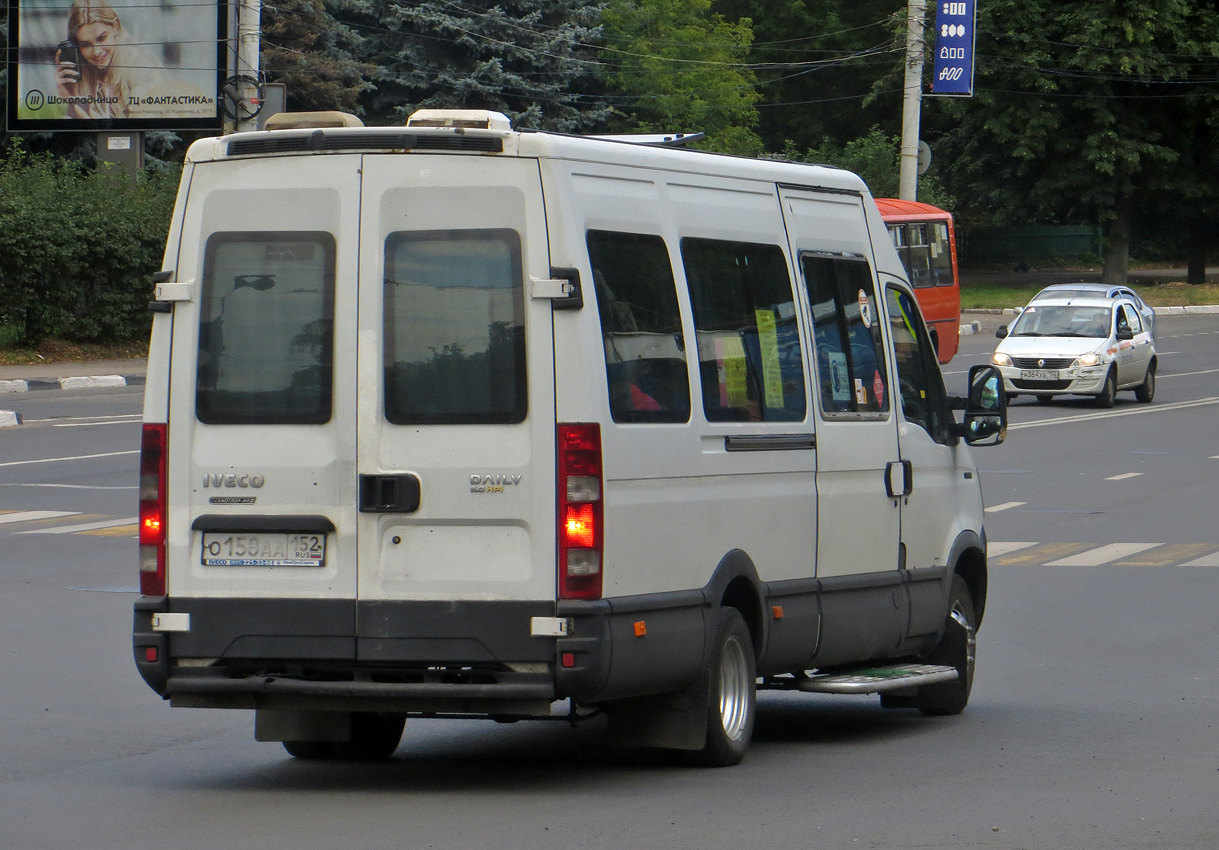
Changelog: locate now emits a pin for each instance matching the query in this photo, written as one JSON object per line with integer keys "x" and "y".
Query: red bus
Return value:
{"x": 927, "y": 243}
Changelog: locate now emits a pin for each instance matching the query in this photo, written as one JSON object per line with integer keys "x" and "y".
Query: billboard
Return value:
{"x": 115, "y": 65}
{"x": 954, "y": 48}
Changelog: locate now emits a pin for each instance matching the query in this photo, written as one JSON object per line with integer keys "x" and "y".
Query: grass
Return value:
{"x": 1175, "y": 294}
{"x": 60, "y": 351}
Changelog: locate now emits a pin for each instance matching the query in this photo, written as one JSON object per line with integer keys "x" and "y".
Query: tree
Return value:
{"x": 531, "y": 59}
{"x": 876, "y": 158}
{"x": 825, "y": 69}
{"x": 304, "y": 47}
{"x": 1078, "y": 113}
{"x": 675, "y": 66}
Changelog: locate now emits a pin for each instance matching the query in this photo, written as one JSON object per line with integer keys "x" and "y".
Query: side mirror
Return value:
{"x": 1125, "y": 333}
{"x": 1001, "y": 332}
{"x": 986, "y": 408}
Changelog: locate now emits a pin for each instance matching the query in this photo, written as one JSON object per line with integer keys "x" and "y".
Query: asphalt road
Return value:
{"x": 1092, "y": 723}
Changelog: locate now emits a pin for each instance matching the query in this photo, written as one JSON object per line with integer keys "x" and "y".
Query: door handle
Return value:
{"x": 899, "y": 478}
{"x": 389, "y": 494}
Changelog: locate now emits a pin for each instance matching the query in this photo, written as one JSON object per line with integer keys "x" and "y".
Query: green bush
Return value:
{"x": 78, "y": 248}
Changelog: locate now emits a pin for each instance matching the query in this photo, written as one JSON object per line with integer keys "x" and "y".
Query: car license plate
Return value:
{"x": 263, "y": 550}
{"x": 1039, "y": 374}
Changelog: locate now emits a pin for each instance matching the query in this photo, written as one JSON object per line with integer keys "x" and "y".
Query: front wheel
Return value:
{"x": 1108, "y": 393}
{"x": 1146, "y": 391}
{"x": 733, "y": 692}
{"x": 958, "y": 648}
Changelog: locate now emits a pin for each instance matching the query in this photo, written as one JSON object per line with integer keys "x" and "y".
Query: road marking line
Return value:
{"x": 60, "y": 459}
{"x": 1041, "y": 553}
{"x": 1123, "y": 476}
{"x": 132, "y": 530}
{"x": 1102, "y": 554}
{"x": 30, "y": 516}
{"x": 1185, "y": 374}
{"x": 86, "y": 526}
{"x": 994, "y": 509}
{"x": 1091, "y": 417}
{"x": 995, "y": 550}
{"x": 75, "y": 486}
{"x": 1168, "y": 555}
{"x": 1211, "y": 560}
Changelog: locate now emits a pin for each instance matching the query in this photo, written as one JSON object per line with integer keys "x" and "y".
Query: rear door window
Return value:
{"x": 645, "y": 349}
{"x": 748, "y": 341}
{"x": 454, "y": 328}
{"x": 266, "y": 329}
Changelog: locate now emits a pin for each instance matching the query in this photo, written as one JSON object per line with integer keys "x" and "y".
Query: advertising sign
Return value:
{"x": 115, "y": 65}
{"x": 954, "y": 48}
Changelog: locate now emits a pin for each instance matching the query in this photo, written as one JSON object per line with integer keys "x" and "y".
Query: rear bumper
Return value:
{"x": 475, "y": 657}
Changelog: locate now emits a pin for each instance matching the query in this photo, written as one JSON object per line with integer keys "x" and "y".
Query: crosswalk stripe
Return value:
{"x": 995, "y": 550}
{"x": 1042, "y": 553}
{"x": 31, "y": 516}
{"x": 1211, "y": 560}
{"x": 1102, "y": 554}
{"x": 86, "y": 526}
{"x": 132, "y": 530}
{"x": 994, "y": 509}
{"x": 1170, "y": 554}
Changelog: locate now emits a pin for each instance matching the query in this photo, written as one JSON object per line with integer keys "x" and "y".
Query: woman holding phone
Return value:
{"x": 99, "y": 71}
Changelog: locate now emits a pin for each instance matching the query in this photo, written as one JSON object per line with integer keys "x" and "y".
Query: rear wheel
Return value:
{"x": 1108, "y": 393}
{"x": 957, "y": 648}
{"x": 1146, "y": 391}
{"x": 733, "y": 692}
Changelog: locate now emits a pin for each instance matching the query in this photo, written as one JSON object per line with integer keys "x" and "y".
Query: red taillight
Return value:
{"x": 152, "y": 510}
{"x": 580, "y": 511}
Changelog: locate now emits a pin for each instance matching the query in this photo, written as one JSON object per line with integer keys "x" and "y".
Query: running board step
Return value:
{"x": 878, "y": 680}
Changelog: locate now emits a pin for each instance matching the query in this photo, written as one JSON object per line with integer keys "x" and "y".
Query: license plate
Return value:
{"x": 263, "y": 550}
{"x": 1039, "y": 374}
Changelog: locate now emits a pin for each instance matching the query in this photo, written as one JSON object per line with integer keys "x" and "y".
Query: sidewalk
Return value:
{"x": 65, "y": 376}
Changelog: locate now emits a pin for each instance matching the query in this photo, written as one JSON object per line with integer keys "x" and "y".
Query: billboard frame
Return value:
{"x": 18, "y": 124}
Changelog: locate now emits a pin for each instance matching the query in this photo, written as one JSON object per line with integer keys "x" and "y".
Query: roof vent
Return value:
{"x": 465, "y": 119}
{"x": 311, "y": 120}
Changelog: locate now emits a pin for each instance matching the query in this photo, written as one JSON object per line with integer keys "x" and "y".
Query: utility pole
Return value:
{"x": 912, "y": 100}
{"x": 249, "y": 41}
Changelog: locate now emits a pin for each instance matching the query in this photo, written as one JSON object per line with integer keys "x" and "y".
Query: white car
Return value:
{"x": 1078, "y": 346}
{"x": 1099, "y": 290}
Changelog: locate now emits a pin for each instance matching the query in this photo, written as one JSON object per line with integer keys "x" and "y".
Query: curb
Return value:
{"x": 10, "y": 417}
{"x": 970, "y": 328}
{"x": 22, "y": 385}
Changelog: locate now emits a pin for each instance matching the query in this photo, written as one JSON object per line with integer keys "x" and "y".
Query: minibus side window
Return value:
{"x": 266, "y": 329}
{"x": 920, "y": 384}
{"x": 454, "y": 328}
{"x": 745, "y": 320}
{"x": 645, "y": 350}
{"x": 851, "y": 372}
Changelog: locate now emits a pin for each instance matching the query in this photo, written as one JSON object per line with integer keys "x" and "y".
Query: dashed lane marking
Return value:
{"x": 1123, "y": 476}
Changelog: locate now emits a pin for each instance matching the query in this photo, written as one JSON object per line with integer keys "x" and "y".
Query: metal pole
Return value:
{"x": 912, "y": 100}
{"x": 249, "y": 38}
